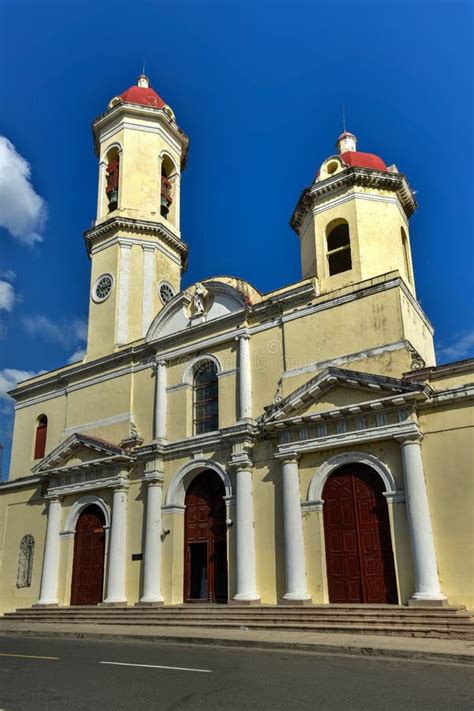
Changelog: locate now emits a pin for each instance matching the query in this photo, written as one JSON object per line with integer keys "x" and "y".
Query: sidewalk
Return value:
{"x": 429, "y": 649}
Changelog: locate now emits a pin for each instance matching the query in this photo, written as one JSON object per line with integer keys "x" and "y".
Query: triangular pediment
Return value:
{"x": 80, "y": 450}
{"x": 336, "y": 388}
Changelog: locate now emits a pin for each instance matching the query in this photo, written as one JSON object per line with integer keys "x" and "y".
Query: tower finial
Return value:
{"x": 343, "y": 117}
{"x": 346, "y": 141}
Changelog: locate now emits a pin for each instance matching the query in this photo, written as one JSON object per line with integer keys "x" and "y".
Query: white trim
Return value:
{"x": 77, "y": 508}
{"x": 147, "y": 302}
{"x": 315, "y": 491}
{"x": 188, "y": 375}
{"x": 179, "y": 483}
{"x": 124, "y": 124}
{"x": 123, "y": 295}
{"x": 98, "y": 423}
{"x": 360, "y": 196}
{"x": 139, "y": 242}
{"x": 166, "y": 153}
{"x": 342, "y": 360}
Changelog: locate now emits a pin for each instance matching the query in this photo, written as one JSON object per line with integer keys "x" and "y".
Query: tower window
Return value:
{"x": 25, "y": 562}
{"x": 166, "y": 195}
{"x": 206, "y": 404}
{"x": 40, "y": 439}
{"x": 112, "y": 185}
{"x": 406, "y": 255}
{"x": 339, "y": 249}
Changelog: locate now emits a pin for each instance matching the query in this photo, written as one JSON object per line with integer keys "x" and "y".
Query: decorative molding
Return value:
{"x": 315, "y": 491}
{"x": 360, "y": 196}
{"x": 183, "y": 477}
{"x": 105, "y": 422}
{"x": 78, "y": 506}
{"x": 308, "y": 506}
{"x": 188, "y": 374}
{"x": 20, "y": 483}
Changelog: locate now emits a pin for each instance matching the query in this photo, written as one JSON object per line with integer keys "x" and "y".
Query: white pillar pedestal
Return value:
{"x": 160, "y": 400}
{"x": 49, "y": 574}
{"x": 117, "y": 548}
{"x": 245, "y": 533}
{"x": 152, "y": 554}
{"x": 245, "y": 378}
{"x": 427, "y": 589}
{"x": 295, "y": 568}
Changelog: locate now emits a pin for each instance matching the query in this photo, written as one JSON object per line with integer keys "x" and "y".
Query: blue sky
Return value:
{"x": 258, "y": 86}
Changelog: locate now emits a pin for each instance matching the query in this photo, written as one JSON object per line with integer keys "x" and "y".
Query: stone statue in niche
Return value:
{"x": 199, "y": 300}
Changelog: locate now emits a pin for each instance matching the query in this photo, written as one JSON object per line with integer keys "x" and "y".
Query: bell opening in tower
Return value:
{"x": 112, "y": 185}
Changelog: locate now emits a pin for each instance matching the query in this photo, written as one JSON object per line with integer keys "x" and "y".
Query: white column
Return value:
{"x": 148, "y": 282}
{"x": 427, "y": 587}
{"x": 160, "y": 400}
{"x": 295, "y": 569}
{"x": 152, "y": 554}
{"x": 49, "y": 574}
{"x": 245, "y": 378}
{"x": 245, "y": 533}
{"x": 123, "y": 293}
{"x": 101, "y": 190}
{"x": 118, "y": 547}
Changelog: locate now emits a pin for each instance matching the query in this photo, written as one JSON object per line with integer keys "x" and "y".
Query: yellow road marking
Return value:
{"x": 25, "y": 656}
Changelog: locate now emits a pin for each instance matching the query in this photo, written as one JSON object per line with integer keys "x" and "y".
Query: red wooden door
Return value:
{"x": 359, "y": 553}
{"x": 205, "y": 545}
{"x": 88, "y": 565}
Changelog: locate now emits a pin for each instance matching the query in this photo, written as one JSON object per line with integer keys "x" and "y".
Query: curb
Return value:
{"x": 262, "y": 645}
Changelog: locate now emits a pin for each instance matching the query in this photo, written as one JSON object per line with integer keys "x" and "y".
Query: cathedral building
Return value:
{"x": 217, "y": 444}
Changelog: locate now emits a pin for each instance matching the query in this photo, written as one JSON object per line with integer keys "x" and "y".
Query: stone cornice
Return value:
{"x": 241, "y": 432}
{"x": 20, "y": 483}
{"x": 141, "y": 227}
{"x": 365, "y": 177}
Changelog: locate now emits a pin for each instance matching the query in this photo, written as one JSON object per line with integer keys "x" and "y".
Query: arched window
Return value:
{"x": 40, "y": 440}
{"x": 112, "y": 183}
{"x": 339, "y": 248}
{"x": 25, "y": 562}
{"x": 206, "y": 403}
{"x": 166, "y": 195}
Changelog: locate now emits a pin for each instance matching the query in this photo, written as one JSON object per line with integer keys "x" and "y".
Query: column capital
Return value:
{"x": 122, "y": 484}
{"x": 54, "y": 498}
{"x": 148, "y": 247}
{"x": 410, "y": 438}
{"x": 245, "y": 335}
{"x": 241, "y": 460}
{"x": 287, "y": 457}
{"x": 154, "y": 478}
{"x": 125, "y": 243}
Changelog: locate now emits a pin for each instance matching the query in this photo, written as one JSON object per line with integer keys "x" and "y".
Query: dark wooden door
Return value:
{"x": 88, "y": 565}
{"x": 205, "y": 544}
{"x": 359, "y": 553}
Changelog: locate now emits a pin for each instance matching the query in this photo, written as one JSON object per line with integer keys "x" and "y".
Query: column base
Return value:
{"x": 123, "y": 603}
{"x": 150, "y": 603}
{"x": 244, "y": 601}
{"x": 295, "y": 600}
{"x": 419, "y": 601}
{"x": 46, "y": 604}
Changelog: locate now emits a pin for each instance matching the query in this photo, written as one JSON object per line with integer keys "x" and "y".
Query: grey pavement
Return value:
{"x": 52, "y": 674}
{"x": 335, "y": 643}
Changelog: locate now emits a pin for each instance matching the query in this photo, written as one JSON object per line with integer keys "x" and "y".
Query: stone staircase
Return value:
{"x": 440, "y": 622}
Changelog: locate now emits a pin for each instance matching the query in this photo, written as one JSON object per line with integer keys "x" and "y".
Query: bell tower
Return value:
{"x": 135, "y": 244}
{"x": 352, "y": 221}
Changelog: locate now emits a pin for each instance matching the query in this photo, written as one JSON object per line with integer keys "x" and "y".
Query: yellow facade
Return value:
{"x": 337, "y": 370}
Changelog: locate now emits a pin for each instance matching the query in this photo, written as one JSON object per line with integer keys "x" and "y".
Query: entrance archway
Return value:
{"x": 205, "y": 544}
{"x": 88, "y": 563}
{"x": 359, "y": 554}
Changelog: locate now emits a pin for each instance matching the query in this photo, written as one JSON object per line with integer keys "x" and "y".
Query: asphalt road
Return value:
{"x": 50, "y": 674}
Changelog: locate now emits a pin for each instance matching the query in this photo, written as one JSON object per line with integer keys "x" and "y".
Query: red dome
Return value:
{"x": 142, "y": 95}
{"x": 355, "y": 159}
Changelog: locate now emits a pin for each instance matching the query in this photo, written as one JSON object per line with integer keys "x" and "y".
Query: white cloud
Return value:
{"x": 462, "y": 346}
{"x": 10, "y": 377}
{"x": 7, "y": 296}
{"x": 64, "y": 332}
{"x": 78, "y": 354}
{"x": 22, "y": 210}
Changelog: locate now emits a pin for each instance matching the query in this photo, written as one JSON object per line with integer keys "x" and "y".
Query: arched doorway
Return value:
{"x": 88, "y": 564}
{"x": 359, "y": 553}
{"x": 205, "y": 545}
